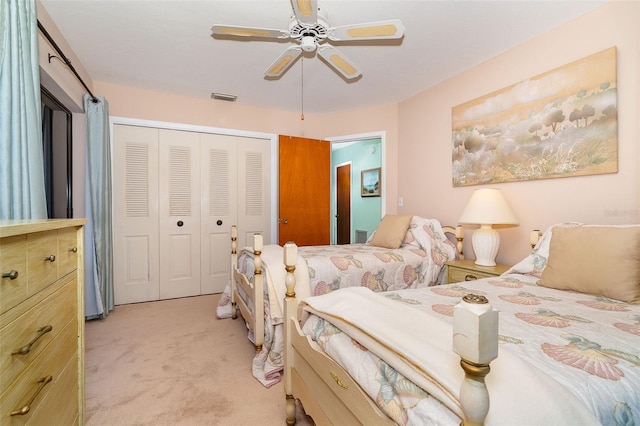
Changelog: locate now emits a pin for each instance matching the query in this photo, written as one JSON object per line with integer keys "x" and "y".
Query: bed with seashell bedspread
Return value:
{"x": 418, "y": 262}
{"x": 569, "y": 338}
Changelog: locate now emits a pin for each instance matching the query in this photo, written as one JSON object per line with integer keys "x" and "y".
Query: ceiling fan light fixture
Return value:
{"x": 308, "y": 43}
{"x": 223, "y": 97}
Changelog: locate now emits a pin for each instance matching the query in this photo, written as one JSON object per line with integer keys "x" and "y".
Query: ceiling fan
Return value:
{"x": 311, "y": 32}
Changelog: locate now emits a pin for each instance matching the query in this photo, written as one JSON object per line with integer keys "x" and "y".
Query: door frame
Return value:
{"x": 272, "y": 137}
{"x": 383, "y": 163}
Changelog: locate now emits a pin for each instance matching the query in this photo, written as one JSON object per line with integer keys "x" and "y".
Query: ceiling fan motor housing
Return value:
{"x": 310, "y": 36}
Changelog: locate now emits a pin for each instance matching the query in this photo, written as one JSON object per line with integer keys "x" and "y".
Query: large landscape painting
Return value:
{"x": 558, "y": 124}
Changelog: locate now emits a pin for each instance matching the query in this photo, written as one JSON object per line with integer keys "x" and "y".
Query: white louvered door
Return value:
{"x": 135, "y": 219}
{"x": 219, "y": 208}
{"x": 235, "y": 191}
{"x": 179, "y": 213}
{"x": 176, "y": 195}
{"x": 254, "y": 189}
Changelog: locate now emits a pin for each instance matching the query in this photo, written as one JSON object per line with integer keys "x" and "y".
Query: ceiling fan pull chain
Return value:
{"x": 302, "y": 88}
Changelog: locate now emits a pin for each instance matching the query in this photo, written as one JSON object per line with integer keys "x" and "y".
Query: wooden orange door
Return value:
{"x": 304, "y": 191}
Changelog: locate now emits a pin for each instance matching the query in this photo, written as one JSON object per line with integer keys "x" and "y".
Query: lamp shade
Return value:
{"x": 488, "y": 207}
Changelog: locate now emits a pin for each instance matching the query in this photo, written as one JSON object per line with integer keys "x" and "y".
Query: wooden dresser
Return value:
{"x": 42, "y": 322}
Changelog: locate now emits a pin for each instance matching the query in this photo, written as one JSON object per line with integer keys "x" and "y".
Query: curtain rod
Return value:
{"x": 65, "y": 60}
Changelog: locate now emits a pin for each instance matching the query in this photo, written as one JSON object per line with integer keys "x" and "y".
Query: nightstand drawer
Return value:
{"x": 455, "y": 275}
{"x": 467, "y": 270}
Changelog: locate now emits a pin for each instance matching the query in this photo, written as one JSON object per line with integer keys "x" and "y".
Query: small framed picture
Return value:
{"x": 370, "y": 183}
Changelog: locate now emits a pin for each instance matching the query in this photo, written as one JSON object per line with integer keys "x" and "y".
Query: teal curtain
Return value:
{"x": 22, "y": 194}
{"x": 99, "y": 213}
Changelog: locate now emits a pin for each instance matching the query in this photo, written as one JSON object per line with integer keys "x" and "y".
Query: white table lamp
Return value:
{"x": 487, "y": 207}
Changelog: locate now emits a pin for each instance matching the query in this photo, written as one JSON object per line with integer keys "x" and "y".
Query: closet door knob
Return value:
{"x": 180, "y": 223}
{"x": 219, "y": 222}
{"x": 50, "y": 258}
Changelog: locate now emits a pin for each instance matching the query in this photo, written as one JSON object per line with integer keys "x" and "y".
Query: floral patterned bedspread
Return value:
{"x": 587, "y": 344}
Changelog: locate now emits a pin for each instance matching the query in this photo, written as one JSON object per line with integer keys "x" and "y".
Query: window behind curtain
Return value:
{"x": 57, "y": 156}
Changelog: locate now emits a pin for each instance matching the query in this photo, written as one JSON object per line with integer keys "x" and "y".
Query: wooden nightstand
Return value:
{"x": 467, "y": 270}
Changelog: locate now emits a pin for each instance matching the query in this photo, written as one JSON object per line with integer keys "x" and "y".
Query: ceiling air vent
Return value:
{"x": 224, "y": 97}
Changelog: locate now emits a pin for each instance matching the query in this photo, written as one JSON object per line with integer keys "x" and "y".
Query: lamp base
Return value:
{"x": 486, "y": 243}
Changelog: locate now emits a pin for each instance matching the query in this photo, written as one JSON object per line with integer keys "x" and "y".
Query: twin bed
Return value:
{"x": 404, "y": 252}
{"x": 569, "y": 341}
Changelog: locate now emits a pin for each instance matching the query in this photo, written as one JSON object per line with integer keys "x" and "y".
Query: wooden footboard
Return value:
{"x": 327, "y": 392}
{"x": 331, "y": 397}
{"x": 254, "y": 291}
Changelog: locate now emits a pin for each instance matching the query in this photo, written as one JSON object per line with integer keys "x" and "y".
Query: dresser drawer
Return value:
{"x": 67, "y": 250}
{"x": 60, "y": 403}
{"x": 51, "y": 362}
{"x": 54, "y": 313}
{"x": 42, "y": 259}
{"x": 13, "y": 262}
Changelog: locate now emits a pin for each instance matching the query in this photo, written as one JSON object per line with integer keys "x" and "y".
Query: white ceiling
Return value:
{"x": 166, "y": 46}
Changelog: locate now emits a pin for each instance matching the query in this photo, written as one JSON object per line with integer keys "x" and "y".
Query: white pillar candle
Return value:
{"x": 290, "y": 254}
{"x": 257, "y": 242}
{"x": 475, "y": 330}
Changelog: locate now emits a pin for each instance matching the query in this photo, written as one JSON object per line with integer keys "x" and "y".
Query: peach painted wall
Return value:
{"x": 425, "y": 147}
{"x": 55, "y": 75}
{"x": 141, "y": 104}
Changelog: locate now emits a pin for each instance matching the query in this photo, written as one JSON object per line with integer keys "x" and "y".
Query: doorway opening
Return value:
{"x": 353, "y": 215}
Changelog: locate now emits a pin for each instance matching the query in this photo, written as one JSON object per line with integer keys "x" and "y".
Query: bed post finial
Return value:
{"x": 459, "y": 236}
{"x": 475, "y": 339}
{"x": 534, "y": 237}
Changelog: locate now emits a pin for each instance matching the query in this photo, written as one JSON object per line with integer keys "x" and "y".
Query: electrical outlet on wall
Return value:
{"x": 400, "y": 202}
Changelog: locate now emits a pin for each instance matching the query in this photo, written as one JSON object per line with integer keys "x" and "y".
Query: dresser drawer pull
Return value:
{"x": 24, "y": 410}
{"x": 12, "y": 275}
{"x": 470, "y": 277}
{"x": 26, "y": 348}
{"x": 50, "y": 258}
{"x": 73, "y": 249}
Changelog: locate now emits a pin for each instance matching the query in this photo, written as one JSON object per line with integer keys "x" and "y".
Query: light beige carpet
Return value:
{"x": 174, "y": 363}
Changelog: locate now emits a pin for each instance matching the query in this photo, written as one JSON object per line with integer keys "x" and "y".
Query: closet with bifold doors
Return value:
{"x": 176, "y": 194}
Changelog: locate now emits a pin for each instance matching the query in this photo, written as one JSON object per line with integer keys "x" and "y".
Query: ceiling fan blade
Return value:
{"x": 390, "y": 29}
{"x": 306, "y": 11}
{"x": 282, "y": 64}
{"x": 339, "y": 62}
{"x": 230, "y": 30}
